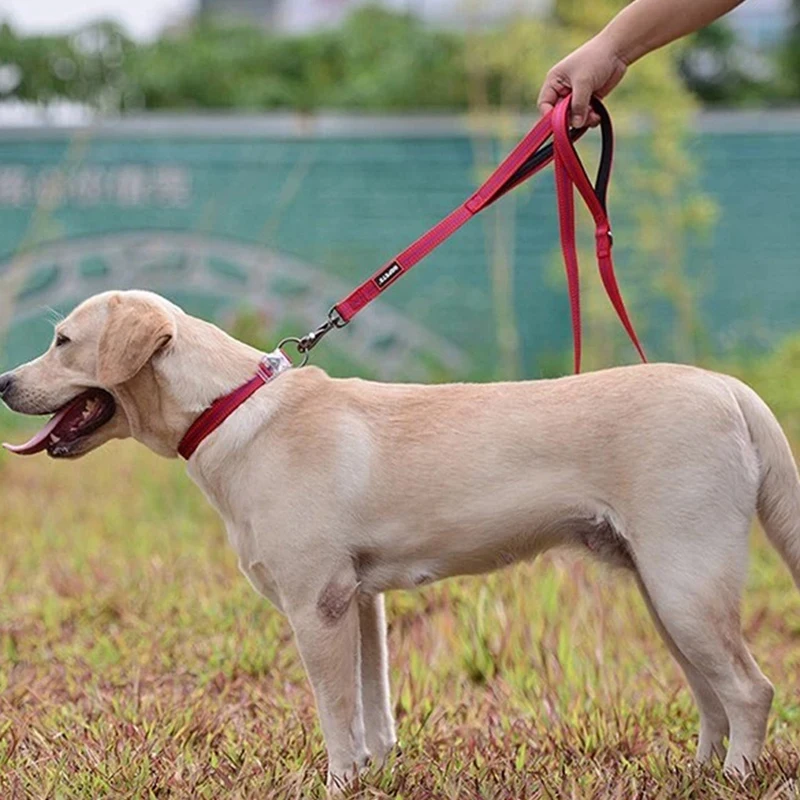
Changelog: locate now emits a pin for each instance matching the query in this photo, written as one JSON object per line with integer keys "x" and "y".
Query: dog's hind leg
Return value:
{"x": 694, "y": 583}
{"x": 714, "y": 725}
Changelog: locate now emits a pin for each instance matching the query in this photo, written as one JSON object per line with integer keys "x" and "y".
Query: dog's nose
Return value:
{"x": 5, "y": 383}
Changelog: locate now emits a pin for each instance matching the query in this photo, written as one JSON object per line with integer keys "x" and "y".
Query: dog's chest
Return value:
{"x": 241, "y": 539}
{"x": 251, "y": 564}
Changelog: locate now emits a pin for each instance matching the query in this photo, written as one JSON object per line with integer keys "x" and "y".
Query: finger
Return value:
{"x": 548, "y": 97}
{"x": 581, "y": 94}
{"x": 594, "y": 119}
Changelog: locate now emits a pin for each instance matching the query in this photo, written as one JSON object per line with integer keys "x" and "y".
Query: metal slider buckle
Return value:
{"x": 273, "y": 364}
{"x": 604, "y": 242}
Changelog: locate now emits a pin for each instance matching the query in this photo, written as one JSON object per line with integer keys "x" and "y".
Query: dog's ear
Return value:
{"x": 135, "y": 330}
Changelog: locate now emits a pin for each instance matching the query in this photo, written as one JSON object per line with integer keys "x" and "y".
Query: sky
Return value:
{"x": 143, "y": 19}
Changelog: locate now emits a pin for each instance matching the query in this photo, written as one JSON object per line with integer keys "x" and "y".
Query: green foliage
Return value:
{"x": 376, "y": 60}
{"x": 791, "y": 51}
{"x": 393, "y": 61}
{"x": 719, "y": 69}
{"x": 776, "y": 377}
{"x": 214, "y": 66}
{"x": 88, "y": 67}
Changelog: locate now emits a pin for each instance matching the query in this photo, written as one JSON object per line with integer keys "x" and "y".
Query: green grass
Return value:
{"x": 135, "y": 661}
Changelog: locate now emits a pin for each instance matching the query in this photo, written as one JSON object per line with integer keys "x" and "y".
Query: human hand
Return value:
{"x": 593, "y": 69}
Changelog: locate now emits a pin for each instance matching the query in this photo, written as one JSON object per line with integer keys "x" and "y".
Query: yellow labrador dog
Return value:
{"x": 335, "y": 491}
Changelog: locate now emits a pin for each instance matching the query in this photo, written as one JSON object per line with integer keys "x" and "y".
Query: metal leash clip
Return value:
{"x": 305, "y": 344}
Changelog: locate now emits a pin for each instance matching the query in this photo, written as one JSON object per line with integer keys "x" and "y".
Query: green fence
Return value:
{"x": 267, "y": 214}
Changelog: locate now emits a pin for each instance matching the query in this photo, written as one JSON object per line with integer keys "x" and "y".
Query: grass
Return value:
{"x": 136, "y": 662}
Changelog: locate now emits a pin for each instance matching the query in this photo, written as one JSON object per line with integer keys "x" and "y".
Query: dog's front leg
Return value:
{"x": 378, "y": 718}
{"x": 327, "y": 633}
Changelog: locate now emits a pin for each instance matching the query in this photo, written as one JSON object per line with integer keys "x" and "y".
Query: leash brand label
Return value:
{"x": 392, "y": 271}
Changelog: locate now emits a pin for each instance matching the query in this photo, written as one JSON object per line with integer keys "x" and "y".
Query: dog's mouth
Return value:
{"x": 63, "y": 435}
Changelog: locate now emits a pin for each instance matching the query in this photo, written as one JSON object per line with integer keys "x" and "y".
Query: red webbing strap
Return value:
{"x": 384, "y": 277}
{"x": 222, "y": 408}
{"x": 570, "y": 169}
{"x": 493, "y": 188}
{"x": 566, "y": 222}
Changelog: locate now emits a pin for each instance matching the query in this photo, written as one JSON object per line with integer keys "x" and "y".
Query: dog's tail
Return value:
{"x": 779, "y": 492}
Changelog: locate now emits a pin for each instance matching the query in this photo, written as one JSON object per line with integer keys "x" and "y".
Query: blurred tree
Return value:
{"x": 776, "y": 377}
{"x": 791, "y": 52}
{"x": 394, "y": 61}
{"x": 378, "y": 59}
{"x": 87, "y": 67}
{"x": 721, "y": 70}
{"x": 217, "y": 66}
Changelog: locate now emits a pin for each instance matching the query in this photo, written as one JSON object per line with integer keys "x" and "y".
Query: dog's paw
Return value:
{"x": 738, "y": 768}
{"x": 381, "y": 748}
{"x": 341, "y": 779}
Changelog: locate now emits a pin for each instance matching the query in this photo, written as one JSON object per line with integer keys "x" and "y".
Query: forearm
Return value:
{"x": 646, "y": 25}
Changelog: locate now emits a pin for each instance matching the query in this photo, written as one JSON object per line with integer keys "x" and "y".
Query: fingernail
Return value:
{"x": 577, "y": 122}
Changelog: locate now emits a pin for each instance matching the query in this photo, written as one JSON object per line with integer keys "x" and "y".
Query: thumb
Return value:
{"x": 581, "y": 95}
{"x": 548, "y": 97}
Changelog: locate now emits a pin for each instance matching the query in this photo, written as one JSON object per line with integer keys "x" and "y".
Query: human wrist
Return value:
{"x": 618, "y": 46}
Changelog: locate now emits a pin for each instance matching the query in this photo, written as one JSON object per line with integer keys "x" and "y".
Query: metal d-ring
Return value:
{"x": 298, "y": 343}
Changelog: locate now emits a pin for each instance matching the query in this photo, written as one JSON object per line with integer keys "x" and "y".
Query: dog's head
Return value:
{"x": 121, "y": 364}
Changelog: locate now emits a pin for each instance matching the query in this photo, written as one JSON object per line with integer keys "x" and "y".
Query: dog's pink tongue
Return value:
{"x": 40, "y": 440}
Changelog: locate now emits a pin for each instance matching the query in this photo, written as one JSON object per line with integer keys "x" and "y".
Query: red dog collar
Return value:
{"x": 270, "y": 366}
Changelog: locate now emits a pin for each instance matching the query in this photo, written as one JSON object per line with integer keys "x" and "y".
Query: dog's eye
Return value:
{"x": 62, "y": 340}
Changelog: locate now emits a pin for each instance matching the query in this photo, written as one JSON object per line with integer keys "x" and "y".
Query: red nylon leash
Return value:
{"x": 530, "y": 156}
{"x": 568, "y": 168}
{"x": 527, "y": 158}
{"x": 490, "y": 191}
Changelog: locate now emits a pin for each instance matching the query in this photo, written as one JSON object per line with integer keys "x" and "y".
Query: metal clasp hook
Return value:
{"x": 306, "y": 343}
